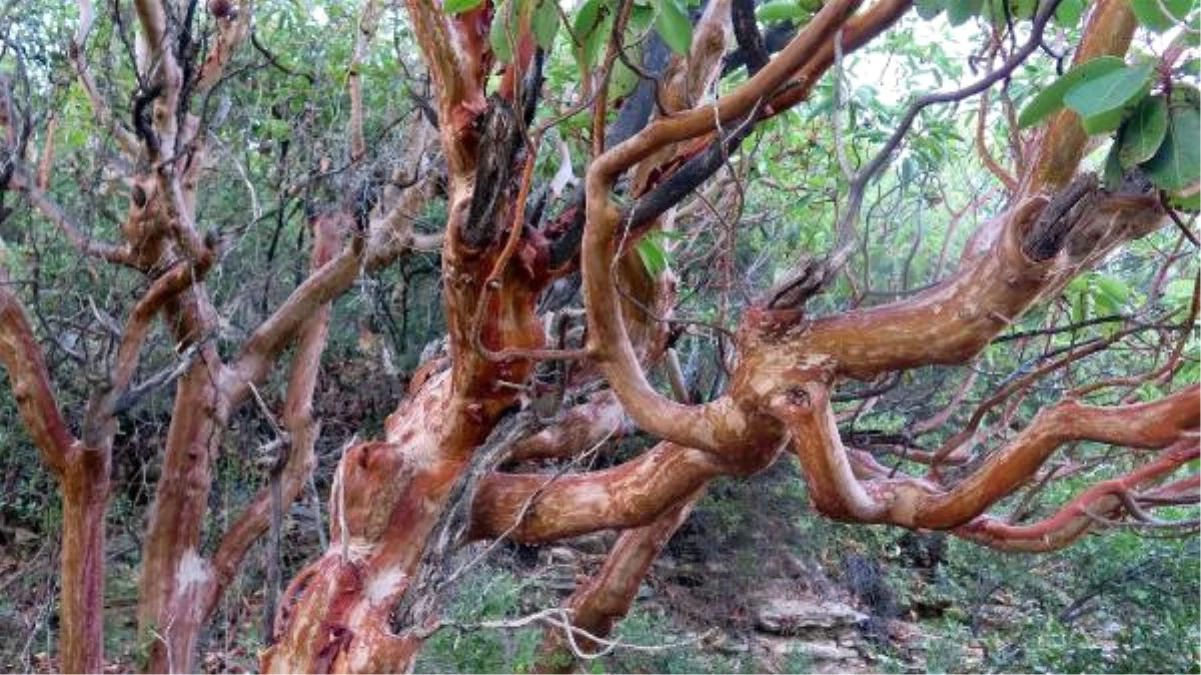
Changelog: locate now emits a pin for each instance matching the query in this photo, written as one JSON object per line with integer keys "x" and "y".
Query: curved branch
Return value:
{"x": 368, "y": 22}
{"x": 705, "y": 427}
{"x": 274, "y": 334}
{"x": 1060, "y": 145}
{"x": 911, "y": 502}
{"x": 232, "y": 29}
{"x": 1078, "y": 517}
{"x": 52, "y": 212}
{"x": 537, "y": 508}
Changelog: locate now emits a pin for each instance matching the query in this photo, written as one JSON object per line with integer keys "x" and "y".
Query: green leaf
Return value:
{"x": 498, "y": 34}
{"x": 1111, "y": 176}
{"x": 928, "y": 9}
{"x": 546, "y": 23}
{"x": 588, "y": 27}
{"x": 1151, "y": 13}
{"x": 1144, "y": 132}
{"x": 1111, "y": 292}
{"x": 1050, "y": 100}
{"x": 460, "y": 6}
{"x": 1069, "y": 12}
{"x": 780, "y": 10}
{"x": 1189, "y": 201}
{"x": 1080, "y": 305}
{"x": 961, "y": 11}
{"x": 586, "y": 19}
{"x": 673, "y": 25}
{"x": 623, "y": 80}
{"x": 1190, "y": 67}
{"x": 1101, "y": 102}
{"x": 1176, "y": 167}
{"x": 653, "y": 256}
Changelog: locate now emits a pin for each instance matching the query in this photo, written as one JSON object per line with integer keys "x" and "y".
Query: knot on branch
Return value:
{"x": 1059, "y": 217}
{"x": 1086, "y": 216}
{"x": 143, "y": 122}
{"x": 805, "y": 281}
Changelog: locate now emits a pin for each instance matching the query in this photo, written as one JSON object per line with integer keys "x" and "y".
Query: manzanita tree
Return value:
{"x": 559, "y": 297}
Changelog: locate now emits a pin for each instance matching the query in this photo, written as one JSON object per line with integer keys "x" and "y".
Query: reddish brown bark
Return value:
{"x": 390, "y": 496}
{"x": 607, "y": 597}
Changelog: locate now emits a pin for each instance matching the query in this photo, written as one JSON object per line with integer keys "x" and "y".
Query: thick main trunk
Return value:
{"x": 85, "y": 490}
{"x": 174, "y": 573}
{"x": 387, "y": 497}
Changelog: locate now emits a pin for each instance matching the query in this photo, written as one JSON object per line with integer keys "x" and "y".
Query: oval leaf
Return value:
{"x": 1145, "y": 131}
{"x": 1161, "y": 15}
{"x": 672, "y": 24}
{"x": 1101, "y": 101}
{"x": 1050, "y": 99}
{"x": 498, "y": 34}
{"x": 586, "y": 28}
{"x": 1176, "y": 167}
{"x": 546, "y": 23}
{"x": 1069, "y": 12}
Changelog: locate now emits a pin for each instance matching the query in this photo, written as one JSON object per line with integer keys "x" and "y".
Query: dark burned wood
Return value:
{"x": 805, "y": 281}
{"x": 499, "y": 140}
{"x": 634, "y": 114}
{"x": 531, "y": 87}
{"x": 690, "y": 176}
{"x": 750, "y": 40}
{"x": 142, "y": 121}
{"x": 1046, "y": 237}
{"x": 774, "y": 40}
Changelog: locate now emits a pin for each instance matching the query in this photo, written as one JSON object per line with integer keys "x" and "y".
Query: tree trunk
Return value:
{"x": 85, "y": 491}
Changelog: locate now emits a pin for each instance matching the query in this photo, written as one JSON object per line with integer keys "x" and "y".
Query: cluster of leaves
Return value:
{"x": 590, "y": 27}
{"x": 1154, "y": 116}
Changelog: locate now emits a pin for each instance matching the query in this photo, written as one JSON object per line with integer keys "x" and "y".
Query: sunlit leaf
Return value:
{"x": 1102, "y": 101}
{"x": 1069, "y": 12}
{"x": 780, "y": 10}
{"x": 1050, "y": 99}
{"x": 653, "y": 256}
